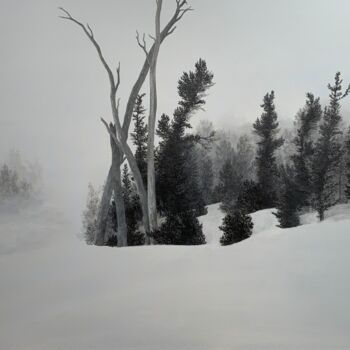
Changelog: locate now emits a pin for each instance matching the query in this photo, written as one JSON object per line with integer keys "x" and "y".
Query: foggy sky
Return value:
{"x": 53, "y": 89}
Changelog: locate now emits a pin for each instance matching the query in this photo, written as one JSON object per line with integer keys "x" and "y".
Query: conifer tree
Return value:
{"x": 307, "y": 123}
{"x": 132, "y": 212}
{"x": 328, "y": 150}
{"x": 347, "y": 145}
{"x": 228, "y": 186}
{"x": 180, "y": 229}
{"x": 90, "y": 215}
{"x": 244, "y": 158}
{"x": 236, "y": 226}
{"x": 178, "y": 184}
{"x": 250, "y": 197}
{"x": 8, "y": 182}
{"x": 267, "y": 128}
{"x": 132, "y": 209}
{"x": 126, "y": 185}
{"x": 177, "y": 169}
{"x": 12, "y": 185}
{"x": 139, "y": 136}
{"x": 206, "y": 179}
{"x": 288, "y": 201}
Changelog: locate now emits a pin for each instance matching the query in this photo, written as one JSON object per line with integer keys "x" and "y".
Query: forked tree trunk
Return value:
{"x": 112, "y": 187}
{"x": 140, "y": 188}
{"x": 121, "y": 136}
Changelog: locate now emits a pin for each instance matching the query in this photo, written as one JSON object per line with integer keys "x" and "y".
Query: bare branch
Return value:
{"x": 171, "y": 31}
{"x": 346, "y": 93}
{"x": 118, "y": 77}
{"x": 118, "y": 102}
{"x": 111, "y": 133}
{"x": 88, "y": 31}
{"x": 143, "y": 45}
{"x": 182, "y": 12}
{"x": 167, "y": 30}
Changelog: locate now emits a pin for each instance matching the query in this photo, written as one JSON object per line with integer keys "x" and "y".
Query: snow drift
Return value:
{"x": 280, "y": 289}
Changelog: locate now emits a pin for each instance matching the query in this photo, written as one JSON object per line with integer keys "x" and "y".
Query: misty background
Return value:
{"x": 53, "y": 89}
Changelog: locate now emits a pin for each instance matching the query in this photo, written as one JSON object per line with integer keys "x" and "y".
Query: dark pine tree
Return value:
{"x": 250, "y": 197}
{"x": 267, "y": 128}
{"x": 347, "y": 145}
{"x": 177, "y": 173}
{"x": 178, "y": 184}
{"x": 228, "y": 185}
{"x": 328, "y": 150}
{"x": 177, "y": 169}
{"x": 307, "y": 121}
{"x": 206, "y": 179}
{"x": 180, "y": 229}
{"x": 126, "y": 185}
{"x": 132, "y": 213}
{"x": 132, "y": 209}
{"x": 139, "y": 136}
{"x": 288, "y": 200}
{"x": 236, "y": 226}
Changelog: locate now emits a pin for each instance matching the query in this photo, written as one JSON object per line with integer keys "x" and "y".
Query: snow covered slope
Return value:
{"x": 263, "y": 220}
{"x": 280, "y": 289}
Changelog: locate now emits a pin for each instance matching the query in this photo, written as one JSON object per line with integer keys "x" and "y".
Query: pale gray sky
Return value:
{"x": 53, "y": 89}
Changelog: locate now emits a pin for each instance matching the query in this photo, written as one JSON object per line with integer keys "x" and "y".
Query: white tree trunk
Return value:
{"x": 122, "y": 229}
{"x": 121, "y": 135}
{"x": 151, "y": 185}
{"x": 112, "y": 186}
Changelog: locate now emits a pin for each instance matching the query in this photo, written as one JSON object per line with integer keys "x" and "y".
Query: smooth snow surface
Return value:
{"x": 280, "y": 289}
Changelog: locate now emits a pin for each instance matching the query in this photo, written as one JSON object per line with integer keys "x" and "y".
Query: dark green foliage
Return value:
{"x": 136, "y": 238}
{"x": 132, "y": 209}
{"x": 178, "y": 187}
{"x": 244, "y": 158}
{"x": 267, "y": 128}
{"x": 132, "y": 213}
{"x": 206, "y": 179}
{"x": 112, "y": 225}
{"x": 251, "y": 197}
{"x": 288, "y": 201}
{"x": 347, "y": 145}
{"x": 180, "y": 229}
{"x": 178, "y": 182}
{"x": 139, "y": 136}
{"x": 328, "y": 150}
{"x": 307, "y": 120}
{"x": 126, "y": 185}
{"x": 236, "y": 227}
{"x": 228, "y": 186}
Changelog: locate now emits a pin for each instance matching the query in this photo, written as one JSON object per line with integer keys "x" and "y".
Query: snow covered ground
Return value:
{"x": 280, "y": 289}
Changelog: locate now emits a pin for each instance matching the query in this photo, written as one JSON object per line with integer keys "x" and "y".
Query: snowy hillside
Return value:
{"x": 280, "y": 289}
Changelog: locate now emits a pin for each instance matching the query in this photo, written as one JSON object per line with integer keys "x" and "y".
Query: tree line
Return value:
{"x": 159, "y": 192}
{"x": 19, "y": 180}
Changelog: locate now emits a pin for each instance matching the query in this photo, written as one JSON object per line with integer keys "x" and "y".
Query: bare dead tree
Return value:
{"x": 120, "y": 132}
{"x": 152, "y": 62}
